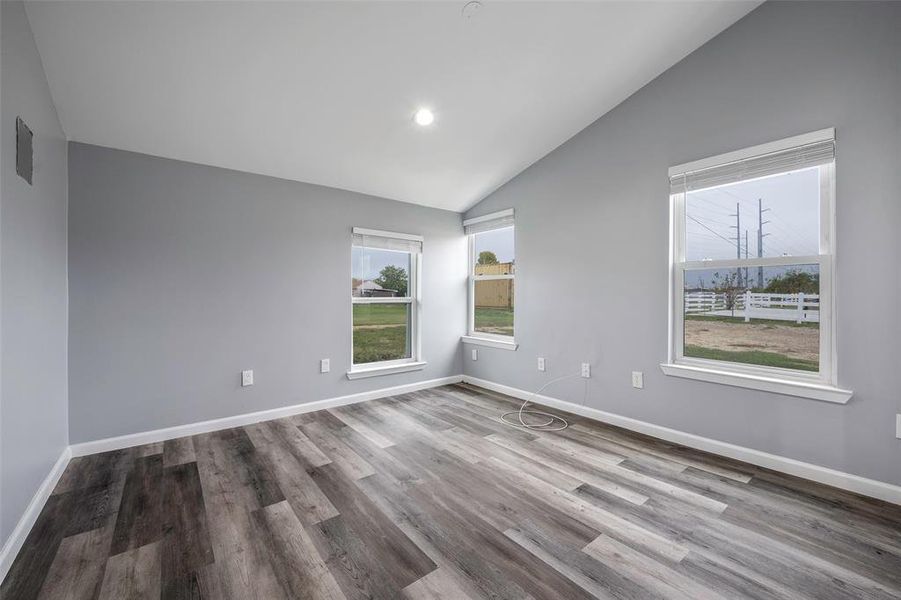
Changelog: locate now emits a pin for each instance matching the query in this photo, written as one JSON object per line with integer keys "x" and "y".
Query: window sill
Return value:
{"x": 814, "y": 391}
{"x": 364, "y": 372}
{"x": 489, "y": 342}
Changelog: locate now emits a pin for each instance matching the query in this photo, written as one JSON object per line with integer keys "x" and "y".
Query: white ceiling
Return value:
{"x": 325, "y": 92}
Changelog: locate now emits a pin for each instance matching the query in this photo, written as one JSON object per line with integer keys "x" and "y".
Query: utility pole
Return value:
{"x": 760, "y": 236}
{"x": 737, "y": 238}
{"x": 747, "y": 280}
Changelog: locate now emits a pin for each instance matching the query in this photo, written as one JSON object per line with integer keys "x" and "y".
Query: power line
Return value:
{"x": 724, "y": 211}
{"x": 730, "y": 242}
{"x": 708, "y": 219}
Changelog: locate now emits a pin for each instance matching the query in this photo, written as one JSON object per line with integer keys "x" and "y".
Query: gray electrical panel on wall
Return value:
{"x": 24, "y": 151}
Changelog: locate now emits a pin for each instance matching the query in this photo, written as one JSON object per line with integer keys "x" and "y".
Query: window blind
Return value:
{"x": 497, "y": 220}
{"x": 386, "y": 240}
{"x": 790, "y": 159}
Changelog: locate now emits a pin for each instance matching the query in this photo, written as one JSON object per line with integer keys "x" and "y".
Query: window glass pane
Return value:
{"x": 494, "y": 252}
{"x": 379, "y": 273}
{"x": 381, "y": 332}
{"x": 494, "y": 306}
{"x": 776, "y": 324}
{"x": 771, "y": 216}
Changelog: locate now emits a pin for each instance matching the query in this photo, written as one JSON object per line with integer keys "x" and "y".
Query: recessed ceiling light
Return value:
{"x": 424, "y": 117}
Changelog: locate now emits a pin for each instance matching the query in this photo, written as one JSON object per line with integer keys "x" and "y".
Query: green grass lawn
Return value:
{"x": 380, "y": 314}
{"x": 494, "y": 320}
{"x": 752, "y": 357}
{"x": 380, "y": 332}
{"x": 741, "y": 321}
{"x": 385, "y": 343}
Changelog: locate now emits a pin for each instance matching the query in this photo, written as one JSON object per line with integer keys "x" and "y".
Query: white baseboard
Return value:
{"x": 169, "y": 433}
{"x": 15, "y": 540}
{"x": 846, "y": 481}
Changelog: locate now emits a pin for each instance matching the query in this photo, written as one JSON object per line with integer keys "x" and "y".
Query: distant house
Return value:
{"x": 370, "y": 289}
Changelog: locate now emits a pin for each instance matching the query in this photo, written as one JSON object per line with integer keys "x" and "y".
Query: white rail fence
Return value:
{"x": 800, "y": 307}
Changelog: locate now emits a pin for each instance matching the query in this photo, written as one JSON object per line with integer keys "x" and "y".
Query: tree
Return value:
{"x": 393, "y": 278}
{"x": 794, "y": 281}
{"x": 487, "y": 257}
{"x": 726, "y": 285}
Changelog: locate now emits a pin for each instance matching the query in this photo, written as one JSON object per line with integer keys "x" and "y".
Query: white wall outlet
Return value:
{"x": 541, "y": 366}
{"x": 898, "y": 426}
{"x": 586, "y": 370}
{"x": 324, "y": 365}
{"x": 637, "y": 379}
{"x": 246, "y": 378}
{"x": 475, "y": 354}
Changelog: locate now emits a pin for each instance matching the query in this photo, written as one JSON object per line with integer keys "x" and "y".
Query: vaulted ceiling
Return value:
{"x": 325, "y": 92}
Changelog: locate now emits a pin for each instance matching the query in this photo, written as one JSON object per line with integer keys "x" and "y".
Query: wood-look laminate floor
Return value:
{"x": 426, "y": 495}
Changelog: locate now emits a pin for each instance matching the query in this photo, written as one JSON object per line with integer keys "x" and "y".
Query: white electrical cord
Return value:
{"x": 547, "y": 426}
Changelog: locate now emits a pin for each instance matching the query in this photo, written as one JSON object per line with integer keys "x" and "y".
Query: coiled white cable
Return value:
{"x": 547, "y": 426}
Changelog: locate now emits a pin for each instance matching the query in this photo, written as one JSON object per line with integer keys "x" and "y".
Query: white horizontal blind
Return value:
{"x": 497, "y": 220}
{"x": 385, "y": 240}
{"x": 790, "y": 159}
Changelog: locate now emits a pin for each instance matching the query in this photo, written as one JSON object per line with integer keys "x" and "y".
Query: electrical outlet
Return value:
{"x": 246, "y": 378}
{"x": 541, "y": 363}
{"x": 586, "y": 370}
{"x": 475, "y": 354}
{"x": 637, "y": 379}
{"x": 324, "y": 365}
{"x": 898, "y": 426}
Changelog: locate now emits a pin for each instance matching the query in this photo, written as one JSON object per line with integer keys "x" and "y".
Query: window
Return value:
{"x": 752, "y": 268}
{"x": 385, "y": 298}
{"x": 492, "y": 272}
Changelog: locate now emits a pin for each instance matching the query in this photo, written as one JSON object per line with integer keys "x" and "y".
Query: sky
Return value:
{"x": 791, "y": 201}
{"x": 367, "y": 263}
{"x": 499, "y": 241}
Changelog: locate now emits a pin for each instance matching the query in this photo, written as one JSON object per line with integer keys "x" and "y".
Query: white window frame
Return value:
{"x": 413, "y": 299}
{"x": 819, "y": 386}
{"x": 479, "y": 338}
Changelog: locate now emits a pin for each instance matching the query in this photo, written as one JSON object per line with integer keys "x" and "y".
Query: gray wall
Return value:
{"x": 33, "y": 408}
{"x": 592, "y": 229}
{"x": 183, "y": 275}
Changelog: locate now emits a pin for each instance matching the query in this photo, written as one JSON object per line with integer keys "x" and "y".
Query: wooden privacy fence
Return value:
{"x": 505, "y": 268}
{"x": 799, "y": 307}
{"x": 494, "y": 293}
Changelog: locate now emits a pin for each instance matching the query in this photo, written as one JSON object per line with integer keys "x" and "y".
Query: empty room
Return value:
{"x": 623, "y": 316}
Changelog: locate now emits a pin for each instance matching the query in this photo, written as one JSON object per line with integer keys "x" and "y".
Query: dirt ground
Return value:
{"x": 799, "y": 342}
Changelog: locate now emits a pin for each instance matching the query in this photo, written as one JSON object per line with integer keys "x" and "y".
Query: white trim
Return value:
{"x": 813, "y": 137}
{"x": 381, "y": 299}
{"x": 846, "y": 481}
{"x": 169, "y": 433}
{"x": 414, "y": 330}
{"x": 471, "y": 287}
{"x": 824, "y": 385}
{"x": 385, "y": 369}
{"x": 472, "y": 336}
{"x": 815, "y": 391}
{"x": 489, "y": 217}
{"x": 388, "y": 234}
{"x": 15, "y": 540}
{"x": 489, "y": 342}
{"x": 772, "y": 261}
{"x": 493, "y": 277}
